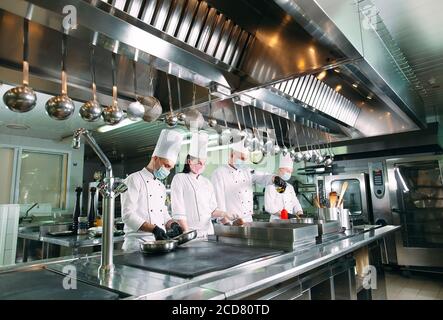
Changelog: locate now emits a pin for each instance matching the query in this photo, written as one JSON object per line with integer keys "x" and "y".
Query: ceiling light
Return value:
{"x": 355, "y": 85}
{"x": 338, "y": 88}
{"x": 322, "y": 75}
{"x": 369, "y": 97}
{"x": 123, "y": 123}
{"x": 337, "y": 70}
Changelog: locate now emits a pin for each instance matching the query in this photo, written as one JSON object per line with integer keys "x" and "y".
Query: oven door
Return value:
{"x": 416, "y": 189}
{"x": 356, "y": 197}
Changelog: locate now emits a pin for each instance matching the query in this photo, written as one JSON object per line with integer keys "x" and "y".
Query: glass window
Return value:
{"x": 43, "y": 178}
{"x": 6, "y": 174}
{"x": 352, "y": 199}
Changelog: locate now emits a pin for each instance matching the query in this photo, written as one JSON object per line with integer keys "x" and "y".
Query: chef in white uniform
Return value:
{"x": 144, "y": 211}
{"x": 233, "y": 183}
{"x": 275, "y": 202}
{"x": 192, "y": 195}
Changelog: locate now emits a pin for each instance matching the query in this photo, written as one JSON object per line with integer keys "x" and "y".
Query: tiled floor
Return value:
{"x": 417, "y": 286}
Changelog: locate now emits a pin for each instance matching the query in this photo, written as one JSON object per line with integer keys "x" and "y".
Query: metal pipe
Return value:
{"x": 107, "y": 263}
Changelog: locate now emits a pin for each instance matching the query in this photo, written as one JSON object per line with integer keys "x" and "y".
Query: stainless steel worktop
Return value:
{"x": 74, "y": 241}
{"x": 231, "y": 283}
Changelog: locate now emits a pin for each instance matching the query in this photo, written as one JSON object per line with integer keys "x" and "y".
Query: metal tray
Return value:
{"x": 186, "y": 237}
{"x": 61, "y": 233}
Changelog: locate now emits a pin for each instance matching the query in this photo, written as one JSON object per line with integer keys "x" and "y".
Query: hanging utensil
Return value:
{"x": 292, "y": 151}
{"x": 135, "y": 110}
{"x": 225, "y": 135}
{"x": 171, "y": 119}
{"x": 329, "y": 160}
{"x": 180, "y": 115}
{"x": 211, "y": 121}
{"x": 61, "y": 107}
{"x": 22, "y": 98}
{"x": 276, "y": 147}
{"x": 152, "y": 106}
{"x": 268, "y": 147}
{"x": 298, "y": 157}
{"x": 333, "y": 199}
{"x": 239, "y": 134}
{"x": 307, "y": 153}
{"x": 247, "y": 134}
{"x": 320, "y": 158}
{"x": 91, "y": 110}
{"x": 255, "y": 141}
{"x": 194, "y": 118}
{"x": 257, "y": 154}
{"x": 112, "y": 114}
{"x": 284, "y": 150}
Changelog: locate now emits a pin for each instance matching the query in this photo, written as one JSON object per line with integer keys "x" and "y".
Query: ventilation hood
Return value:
{"x": 271, "y": 55}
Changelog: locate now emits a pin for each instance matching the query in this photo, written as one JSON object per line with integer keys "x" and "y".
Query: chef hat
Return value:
{"x": 286, "y": 161}
{"x": 199, "y": 145}
{"x": 168, "y": 145}
{"x": 239, "y": 146}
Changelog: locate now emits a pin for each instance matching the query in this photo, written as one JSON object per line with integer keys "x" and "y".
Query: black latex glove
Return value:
{"x": 159, "y": 233}
{"x": 291, "y": 216}
{"x": 175, "y": 230}
{"x": 280, "y": 184}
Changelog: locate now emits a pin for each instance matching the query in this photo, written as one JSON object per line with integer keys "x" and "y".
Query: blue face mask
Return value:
{"x": 240, "y": 164}
{"x": 161, "y": 173}
{"x": 286, "y": 176}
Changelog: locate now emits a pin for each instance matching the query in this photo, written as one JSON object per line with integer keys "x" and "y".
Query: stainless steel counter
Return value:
{"x": 235, "y": 282}
{"x": 74, "y": 241}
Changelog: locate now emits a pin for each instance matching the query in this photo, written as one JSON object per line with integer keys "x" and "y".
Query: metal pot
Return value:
{"x": 22, "y": 98}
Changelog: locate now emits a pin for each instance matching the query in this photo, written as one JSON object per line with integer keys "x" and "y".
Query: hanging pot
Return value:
{"x": 91, "y": 110}
{"x": 113, "y": 114}
{"x": 22, "y": 98}
{"x": 61, "y": 107}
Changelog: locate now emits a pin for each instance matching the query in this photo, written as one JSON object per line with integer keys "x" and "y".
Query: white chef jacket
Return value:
{"x": 193, "y": 199}
{"x": 275, "y": 202}
{"x": 143, "y": 202}
{"x": 233, "y": 189}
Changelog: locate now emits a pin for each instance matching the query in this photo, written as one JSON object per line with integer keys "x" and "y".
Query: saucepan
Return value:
{"x": 186, "y": 237}
{"x": 158, "y": 246}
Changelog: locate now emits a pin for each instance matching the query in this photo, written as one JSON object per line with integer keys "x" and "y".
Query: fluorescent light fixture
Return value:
{"x": 123, "y": 123}
{"x": 401, "y": 180}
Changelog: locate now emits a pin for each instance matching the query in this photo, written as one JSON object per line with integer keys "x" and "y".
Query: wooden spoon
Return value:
{"x": 342, "y": 194}
{"x": 333, "y": 199}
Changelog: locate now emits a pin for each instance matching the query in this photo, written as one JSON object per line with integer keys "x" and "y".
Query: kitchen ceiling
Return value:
{"x": 416, "y": 28}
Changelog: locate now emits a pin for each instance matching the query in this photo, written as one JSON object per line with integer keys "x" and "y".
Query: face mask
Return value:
{"x": 240, "y": 164}
{"x": 197, "y": 168}
{"x": 286, "y": 176}
{"x": 161, "y": 173}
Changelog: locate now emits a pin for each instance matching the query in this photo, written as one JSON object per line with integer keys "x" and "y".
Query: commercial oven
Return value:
{"x": 356, "y": 198}
{"x": 416, "y": 196}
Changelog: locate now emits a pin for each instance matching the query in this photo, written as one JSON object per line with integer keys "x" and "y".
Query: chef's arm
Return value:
{"x": 129, "y": 202}
{"x": 222, "y": 214}
{"x": 262, "y": 178}
{"x": 147, "y": 227}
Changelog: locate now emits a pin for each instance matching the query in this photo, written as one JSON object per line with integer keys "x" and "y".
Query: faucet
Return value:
{"x": 26, "y": 218}
{"x": 109, "y": 194}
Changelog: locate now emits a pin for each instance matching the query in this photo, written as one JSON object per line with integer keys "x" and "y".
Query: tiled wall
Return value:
{"x": 9, "y": 217}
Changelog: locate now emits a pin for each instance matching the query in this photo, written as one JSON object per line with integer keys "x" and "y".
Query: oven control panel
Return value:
{"x": 378, "y": 179}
